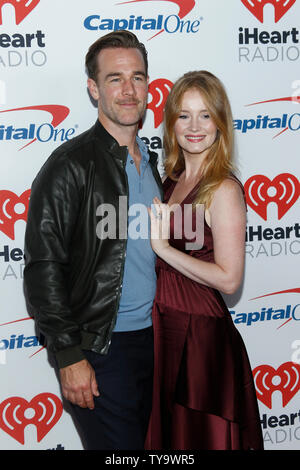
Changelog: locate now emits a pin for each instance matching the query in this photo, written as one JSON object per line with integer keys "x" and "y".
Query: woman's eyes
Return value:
{"x": 185, "y": 116}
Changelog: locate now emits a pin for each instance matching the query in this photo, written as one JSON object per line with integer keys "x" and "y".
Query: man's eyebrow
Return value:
{"x": 119, "y": 74}
{"x": 139, "y": 72}
{"x": 112, "y": 74}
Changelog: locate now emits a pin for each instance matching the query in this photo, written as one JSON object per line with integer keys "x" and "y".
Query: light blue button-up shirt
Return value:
{"x": 139, "y": 280}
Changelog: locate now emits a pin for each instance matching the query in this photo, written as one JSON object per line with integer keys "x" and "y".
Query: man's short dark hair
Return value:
{"x": 122, "y": 38}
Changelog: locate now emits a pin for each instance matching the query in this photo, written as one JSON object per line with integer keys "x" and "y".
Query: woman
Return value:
{"x": 204, "y": 397}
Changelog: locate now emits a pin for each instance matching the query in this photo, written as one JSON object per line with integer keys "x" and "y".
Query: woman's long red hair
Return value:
{"x": 218, "y": 164}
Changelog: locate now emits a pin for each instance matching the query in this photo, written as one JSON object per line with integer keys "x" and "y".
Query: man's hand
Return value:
{"x": 79, "y": 384}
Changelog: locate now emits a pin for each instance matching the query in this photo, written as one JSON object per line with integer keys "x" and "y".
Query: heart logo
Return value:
{"x": 12, "y": 208}
{"x": 286, "y": 379}
{"x": 43, "y": 411}
{"x": 256, "y": 7}
{"x": 159, "y": 90}
{"x": 22, "y": 8}
{"x": 284, "y": 190}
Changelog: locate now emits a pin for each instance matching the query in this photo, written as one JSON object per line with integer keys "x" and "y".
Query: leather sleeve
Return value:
{"x": 53, "y": 211}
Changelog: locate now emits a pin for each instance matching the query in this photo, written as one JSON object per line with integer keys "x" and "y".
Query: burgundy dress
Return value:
{"x": 203, "y": 396}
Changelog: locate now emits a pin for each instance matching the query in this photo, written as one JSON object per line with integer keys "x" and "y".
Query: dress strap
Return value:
{"x": 168, "y": 185}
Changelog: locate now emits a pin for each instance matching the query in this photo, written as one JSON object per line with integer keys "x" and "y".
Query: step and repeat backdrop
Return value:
{"x": 253, "y": 46}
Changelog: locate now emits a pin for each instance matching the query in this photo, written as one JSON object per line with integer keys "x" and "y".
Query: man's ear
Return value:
{"x": 93, "y": 89}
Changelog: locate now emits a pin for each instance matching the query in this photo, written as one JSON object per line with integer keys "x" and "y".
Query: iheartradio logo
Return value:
{"x": 44, "y": 411}
{"x": 286, "y": 379}
{"x": 22, "y": 8}
{"x": 260, "y": 191}
{"x": 256, "y": 7}
{"x": 12, "y": 209}
{"x": 159, "y": 89}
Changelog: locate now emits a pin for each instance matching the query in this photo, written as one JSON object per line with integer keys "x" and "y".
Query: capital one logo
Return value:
{"x": 290, "y": 313}
{"x": 12, "y": 209}
{"x": 286, "y": 379}
{"x": 185, "y": 6}
{"x": 283, "y": 190}
{"x": 284, "y": 123}
{"x": 43, "y": 411}
{"x": 159, "y": 90}
{"x": 22, "y": 8}
{"x": 256, "y": 7}
{"x": 161, "y": 23}
{"x": 42, "y": 133}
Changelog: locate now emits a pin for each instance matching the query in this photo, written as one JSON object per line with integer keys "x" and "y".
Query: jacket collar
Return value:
{"x": 153, "y": 157}
{"x": 121, "y": 152}
{"x": 106, "y": 138}
{"x": 112, "y": 145}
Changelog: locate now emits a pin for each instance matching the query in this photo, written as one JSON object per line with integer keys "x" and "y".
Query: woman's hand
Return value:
{"x": 160, "y": 226}
{"x": 228, "y": 224}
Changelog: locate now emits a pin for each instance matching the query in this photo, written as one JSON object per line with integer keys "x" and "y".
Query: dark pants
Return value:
{"x": 125, "y": 378}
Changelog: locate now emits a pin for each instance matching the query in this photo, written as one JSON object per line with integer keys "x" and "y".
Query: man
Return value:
{"x": 92, "y": 294}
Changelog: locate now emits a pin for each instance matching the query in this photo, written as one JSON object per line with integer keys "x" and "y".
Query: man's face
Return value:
{"x": 121, "y": 88}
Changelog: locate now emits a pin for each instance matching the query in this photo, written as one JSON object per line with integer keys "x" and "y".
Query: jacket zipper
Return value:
{"x": 113, "y": 322}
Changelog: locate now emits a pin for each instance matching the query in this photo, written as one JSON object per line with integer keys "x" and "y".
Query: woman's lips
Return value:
{"x": 195, "y": 138}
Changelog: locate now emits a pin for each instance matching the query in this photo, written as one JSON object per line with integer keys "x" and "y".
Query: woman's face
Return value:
{"x": 194, "y": 128}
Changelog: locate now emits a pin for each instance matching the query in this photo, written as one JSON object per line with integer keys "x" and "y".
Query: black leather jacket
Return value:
{"x": 73, "y": 279}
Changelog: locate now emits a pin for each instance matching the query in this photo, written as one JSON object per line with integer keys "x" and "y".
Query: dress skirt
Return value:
{"x": 204, "y": 396}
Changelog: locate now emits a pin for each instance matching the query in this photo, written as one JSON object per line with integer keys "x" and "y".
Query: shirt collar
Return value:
{"x": 143, "y": 149}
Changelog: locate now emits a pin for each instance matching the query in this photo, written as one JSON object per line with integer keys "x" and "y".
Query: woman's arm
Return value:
{"x": 227, "y": 216}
